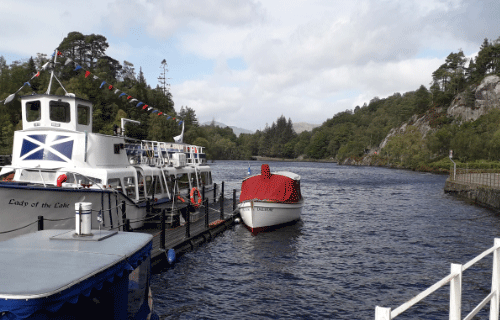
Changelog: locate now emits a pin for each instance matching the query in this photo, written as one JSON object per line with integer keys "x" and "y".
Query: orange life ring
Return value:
{"x": 191, "y": 196}
{"x": 62, "y": 178}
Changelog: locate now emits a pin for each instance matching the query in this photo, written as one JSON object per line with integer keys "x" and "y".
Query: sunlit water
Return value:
{"x": 368, "y": 236}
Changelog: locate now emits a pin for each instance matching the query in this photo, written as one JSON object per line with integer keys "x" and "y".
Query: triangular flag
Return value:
{"x": 95, "y": 77}
{"x": 117, "y": 90}
{"x": 102, "y": 84}
{"x": 128, "y": 98}
{"x": 78, "y": 67}
{"x": 87, "y": 73}
{"x": 45, "y": 66}
{"x": 110, "y": 87}
{"x": 160, "y": 113}
{"x": 27, "y": 83}
{"x": 149, "y": 109}
{"x": 122, "y": 94}
{"x": 139, "y": 104}
{"x": 59, "y": 53}
{"x": 133, "y": 100}
{"x": 9, "y": 98}
{"x": 68, "y": 61}
{"x": 145, "y": 106}
{"x": 37, "y": 74}
{"x": 173, "y": 118}
{"x": 180, "y": 122}
{"x": 155, "y": 111}
{"x": 169, "y": 117}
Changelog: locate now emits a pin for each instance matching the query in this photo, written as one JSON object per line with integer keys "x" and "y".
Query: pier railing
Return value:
{"x": 484, "y": 177}
{"x": 455, "y": 281}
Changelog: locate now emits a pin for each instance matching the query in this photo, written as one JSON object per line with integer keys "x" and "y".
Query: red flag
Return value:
{"x": 59, "y": 53}
{"x": 87, "y": 73}
{"x": 37, "y": 74}
{"x": 110, "y": 87}
{"x": 173, "y": 118}
{"x": 128, "y": 98}
{"x": 145, "y": 106}
{"x": 160, "y": 113}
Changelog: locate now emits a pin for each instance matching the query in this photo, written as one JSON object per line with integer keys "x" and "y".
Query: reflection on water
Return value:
{"x": 368, "y": 236}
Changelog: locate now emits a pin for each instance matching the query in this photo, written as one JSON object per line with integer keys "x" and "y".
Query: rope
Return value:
{"x": 3, "y": 232}
{"x": 58, "y": 219}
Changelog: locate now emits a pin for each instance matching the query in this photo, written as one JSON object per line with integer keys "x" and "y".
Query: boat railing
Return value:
{"x": 455, "y": 281}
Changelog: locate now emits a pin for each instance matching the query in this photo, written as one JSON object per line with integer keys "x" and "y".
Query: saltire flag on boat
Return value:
{"x": 47, "y": 147}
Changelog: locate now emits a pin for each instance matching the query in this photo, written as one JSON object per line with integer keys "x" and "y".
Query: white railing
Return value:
{"x": 455, "y": 281}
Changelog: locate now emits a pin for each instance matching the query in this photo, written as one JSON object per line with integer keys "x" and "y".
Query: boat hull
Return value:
{"x": 261, "y": 215}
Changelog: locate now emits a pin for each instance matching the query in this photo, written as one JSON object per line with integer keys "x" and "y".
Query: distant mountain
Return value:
{"x": 304, "y": 126}
{"x": 237, "y": 131}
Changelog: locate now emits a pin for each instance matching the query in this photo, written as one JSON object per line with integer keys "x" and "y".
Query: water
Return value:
{"x": 368, "y": 236}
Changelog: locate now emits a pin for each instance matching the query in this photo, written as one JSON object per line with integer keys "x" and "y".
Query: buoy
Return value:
{"x": 171, "y": 256}
{"x": 237, "y": 220}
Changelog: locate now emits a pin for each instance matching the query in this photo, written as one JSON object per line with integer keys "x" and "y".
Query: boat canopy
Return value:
{"x": 271, "y": 187}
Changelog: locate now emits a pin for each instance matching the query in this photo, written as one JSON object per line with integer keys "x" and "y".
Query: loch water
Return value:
{"x": 368, "y": 236}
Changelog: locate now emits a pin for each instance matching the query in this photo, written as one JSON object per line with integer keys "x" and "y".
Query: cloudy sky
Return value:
{"x": 247, "y": 62}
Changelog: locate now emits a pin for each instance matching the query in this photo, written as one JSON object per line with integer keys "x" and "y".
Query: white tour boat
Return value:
{"x": 58, "y": 161}
{"x": 270, "y": 200}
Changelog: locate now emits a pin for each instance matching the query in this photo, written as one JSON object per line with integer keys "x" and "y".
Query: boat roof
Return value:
{"x": 52, "y": 96}
{"x": 41, "y": 264}
{"x": 288, "y": 174}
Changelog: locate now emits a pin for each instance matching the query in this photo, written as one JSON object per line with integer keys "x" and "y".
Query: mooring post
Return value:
{"x": 234, "y": 200}
{"x": 162, "y": 234}
{"x": 205, "y": 202}
{"x": 126, "y": 226}
{"x": 124, "y": 208}
{"x": 222, "y": 201}
{"x": 40, "y": 223}
{"x": 148, "y": 206}
{"x": 203, "y": 193}
{"x": 215, "y": 192}
{"x": 188, "y": 223}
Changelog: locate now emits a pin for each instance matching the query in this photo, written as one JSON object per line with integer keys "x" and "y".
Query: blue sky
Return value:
{"x": 245, "y": 63}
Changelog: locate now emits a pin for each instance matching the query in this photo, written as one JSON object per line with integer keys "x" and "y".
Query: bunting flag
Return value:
{"x": 109, "y": 86}
{"x": 37, "y": 74}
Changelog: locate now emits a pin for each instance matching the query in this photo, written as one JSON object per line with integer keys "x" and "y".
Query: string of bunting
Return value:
{"x": 104, "y": 84}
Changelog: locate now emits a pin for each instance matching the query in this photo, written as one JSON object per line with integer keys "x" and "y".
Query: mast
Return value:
{"x": 52, "y": 72}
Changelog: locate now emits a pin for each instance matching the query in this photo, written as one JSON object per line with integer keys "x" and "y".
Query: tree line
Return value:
{"x": 347, "y": 135}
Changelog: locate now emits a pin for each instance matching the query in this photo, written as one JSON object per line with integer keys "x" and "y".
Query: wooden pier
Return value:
{"x": 199, "y": 226}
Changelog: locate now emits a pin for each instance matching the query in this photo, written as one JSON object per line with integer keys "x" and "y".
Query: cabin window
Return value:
{"x": 206, "y": 178}
{"x": 129, "y": 183}
{"x": 158, "y": 185}
{"x": 83, "y": 115}
{"x": 115, "y": 184}
{"x": 33, "y": 111}
{"x": 59, "y": 111}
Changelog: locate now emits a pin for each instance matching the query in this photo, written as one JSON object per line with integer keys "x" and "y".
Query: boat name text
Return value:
{"x": 38, "y": 204}
{"x": 264, "y": 209}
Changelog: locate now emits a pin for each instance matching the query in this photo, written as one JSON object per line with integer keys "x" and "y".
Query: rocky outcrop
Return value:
{"x": 487, "y": 96}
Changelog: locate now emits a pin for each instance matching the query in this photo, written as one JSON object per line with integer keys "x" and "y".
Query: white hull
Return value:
{"x": 258, "y": 214}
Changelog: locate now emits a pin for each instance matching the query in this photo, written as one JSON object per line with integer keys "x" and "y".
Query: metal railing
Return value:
{"x": 484, "y": 177}
{"x": 455, "y": 281}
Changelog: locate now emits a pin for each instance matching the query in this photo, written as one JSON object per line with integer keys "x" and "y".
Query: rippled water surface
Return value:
{"x": 368, "y": 236}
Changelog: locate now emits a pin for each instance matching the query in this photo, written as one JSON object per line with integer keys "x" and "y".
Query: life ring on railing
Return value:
{"x": 62, "y": 178}
{"x": 181, "y": 198}
{"x": 196, "y": 203}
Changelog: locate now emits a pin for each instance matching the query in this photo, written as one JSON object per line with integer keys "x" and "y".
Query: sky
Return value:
{"x": 245, "y": 63}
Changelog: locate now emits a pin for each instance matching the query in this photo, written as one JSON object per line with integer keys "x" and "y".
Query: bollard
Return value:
{"x": 126, "y": 226}
{"x": 203, "y": 193}
{"x": 148, "y": 206}
{"x": 83, "y": 218}
{"x": 206, "y": 214}
{"x": 40, "y": 223}
{"x": 162, "y": 234}
{"x": 222, "y": 201}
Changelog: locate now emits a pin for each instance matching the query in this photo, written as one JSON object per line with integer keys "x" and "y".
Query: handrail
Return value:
{"x": 455, "y": 280}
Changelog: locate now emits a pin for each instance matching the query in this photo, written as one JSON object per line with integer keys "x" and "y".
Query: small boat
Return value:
{"x": 270, "y": 200}
{"x": 60, "y": 274}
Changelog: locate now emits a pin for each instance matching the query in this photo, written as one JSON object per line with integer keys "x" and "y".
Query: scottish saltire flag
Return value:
{"x": 47, "y": 147}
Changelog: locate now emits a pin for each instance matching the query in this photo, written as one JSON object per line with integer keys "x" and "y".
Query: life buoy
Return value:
{"x": 62, "y": 178}
{"x": 196, "y": 203}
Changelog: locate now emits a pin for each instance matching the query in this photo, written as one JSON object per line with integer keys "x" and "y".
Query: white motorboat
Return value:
{"x": 58, "y": 161}
{"x": 270, "y": 200}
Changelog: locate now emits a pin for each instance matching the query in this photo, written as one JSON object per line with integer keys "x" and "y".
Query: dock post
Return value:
{"x": 147, "y": 206}
{"x": 40, "y": 223}
{"x": 205, "y": 203}
{"x": 222, "y": 201}
{"x": 203, "y": 193}
{"x": 234, "y": 200}
{"x": 126, "y": 226}
{"x": 162, "y": 234}
{"x": 215, "y": 192}
{"x": 124, "y": 208}
{"x": 188, "y": 224}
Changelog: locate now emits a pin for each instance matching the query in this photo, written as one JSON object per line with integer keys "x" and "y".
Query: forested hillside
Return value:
{"x": 346, "y": 137}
